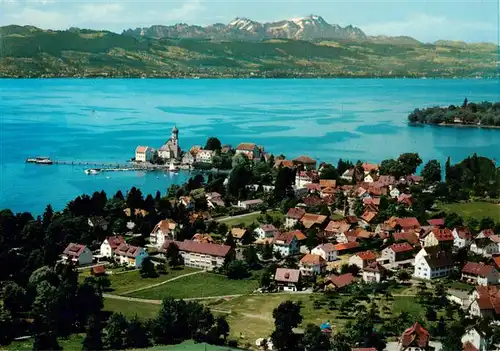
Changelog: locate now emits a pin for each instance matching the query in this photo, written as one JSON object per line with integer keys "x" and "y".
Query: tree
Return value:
{"x": 432, "y": 171}
{"x": 213, "y": 144}
{"x": 486, "y": 223}
{"x": 230, "y": 240}
{"x": 137, "y": 336}
{"x": 46, "y": 341}
{"x": 93, "y": 337}
{"x": 237, "y": 270}
{"x": 403, "y": 275}
{"x": 410, "y": 162}
{"x": 251, "y": 258}
{"x": 392, "y": 167}
{"x": 47, "y": 216}
{"x": 265, "y": 280}
{"x": 453, "y": 220}
{"x": 6, "y": 327}
{"x": 329, "y": 172}
{"x": 430, "y": 313}
{"x": 267, "y": 251}
{"x": 286, "y": 317}
{"x": 314, "y": 339}
{"x": 115, "y": 333}
{"x": 13, "y": 297}
{"x": 173, "y": 255}
{"x": 147, "y": 269}
{"x": 359, "y": 207}
{"x": 284, "y": 183}
{"x": 340, "y": 342}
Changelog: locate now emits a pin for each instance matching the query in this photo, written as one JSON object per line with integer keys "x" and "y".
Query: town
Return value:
{"x": 279, "y": 254}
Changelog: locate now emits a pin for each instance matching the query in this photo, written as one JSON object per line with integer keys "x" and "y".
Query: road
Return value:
{"x": 228, "y": 218}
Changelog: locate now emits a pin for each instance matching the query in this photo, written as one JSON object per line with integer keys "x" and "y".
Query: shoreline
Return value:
{"x": 255, "y": 77}
{"x": 455, "y": 125}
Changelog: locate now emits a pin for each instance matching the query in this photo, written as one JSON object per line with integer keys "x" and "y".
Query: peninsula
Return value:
{"x": 485, "y": 114}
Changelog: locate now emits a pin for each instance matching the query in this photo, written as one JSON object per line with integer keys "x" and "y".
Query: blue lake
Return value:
{"x": 104, "y": 120}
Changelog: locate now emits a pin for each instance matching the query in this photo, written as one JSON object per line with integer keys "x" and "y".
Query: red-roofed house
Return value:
{"x": 163, "y": 231}
{"x": 409, "y": 223}
{"x": 249, "y": 150}
{"x": 312, "y": 264}
{"x": 306, "y": 161}
{"x": 342, "y": 249}
{"x": 77, "y": 254}
{"x": 265, "y": 231}
{"x": 338, "y": 281}
{"x": 368, "y": 216}
{"x": 143, "y": 154}
{"x": 293, "y": 216}
{"x": 288, "y": 243}
{"x": 362, "y": 259}
{"x": 110, "y": 244}
{"x": 486, "y": 245}
{"x": 409, "y": 236}
{"x": 310, "y": 220}
{"x": 203, "y": 255}
{"x": 485, "y": 301}
{"x": 287, "y": 279}
{"x": 462, "y": 237}
{"x": 415, "y": 338}
{"x": 398, "y": 252}
{"x": 439, "y": 237}
{"x": 436, "y": 222}
{"x": 374, "y": 272}
{"x": 370, "y": 167}
{"x": 327, "y": 251}
{"x": 130, "y": 255}
{"x": 479, "y": 273}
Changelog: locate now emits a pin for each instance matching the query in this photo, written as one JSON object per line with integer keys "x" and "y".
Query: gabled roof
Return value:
{"x": 409, "y": 222}
{"x": 238, "y": 233}
{"x": 165, "y": 225}
{"x": 74, "y": 250}
{"x": 268, "y": 228}
{"x": 368, "y": 167}
{"x": 328, "y": 247}
{"x": 408, "y": 236}
{"x": 437, "y": 222}
{"x": 141, "y": 149}
{"x": 478, "y": 269}
{"x": 463, "y": 232}
{"x": 311, "y": 259}
{"x": 310, "y": 219}
{"x": 128, "y": 250}
{"x": 115, "y": 241}
{"x": 328, "y": 183}
{"x": 246, "y": 147}
{"x": 443, "y": 234}
{"x": 348, "y": 246}
{"x": 284, "y": 163}
{"x": 368, "y": 216}
{"x": 341, "y": 280}
{"x": 203, "y": 238}
{"x": 305, "y": 160}
{"x": 204, "y": 248}
{"x": 295, "y": 213}
{"x": 367, "y": 255}
{"x": 287, "y": 237}
{"x": 416, "y": 336}
{"x": 438, "y": 258}
{"x": 489, "y": 298}
{"x": 468, "y": 346}
{"x": 374, "y": 267}
{"x": 401, "y": 247}
{"x": 287, "y": 275}
{"x": 334, "y": 226}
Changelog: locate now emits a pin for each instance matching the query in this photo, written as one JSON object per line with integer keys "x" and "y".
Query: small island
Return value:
{"x": 484, "y": 114}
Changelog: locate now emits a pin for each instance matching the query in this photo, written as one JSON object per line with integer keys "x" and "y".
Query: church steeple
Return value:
{"x": 175, "y": 133}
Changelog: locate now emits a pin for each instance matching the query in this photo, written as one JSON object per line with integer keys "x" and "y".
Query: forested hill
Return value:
{"x": 32, "y": 52}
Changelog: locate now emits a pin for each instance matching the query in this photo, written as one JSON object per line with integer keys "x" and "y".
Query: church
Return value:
{"x": 171, "y": 149}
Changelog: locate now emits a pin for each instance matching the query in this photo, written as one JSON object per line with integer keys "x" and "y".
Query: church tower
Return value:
{"x": 175, "y": 142}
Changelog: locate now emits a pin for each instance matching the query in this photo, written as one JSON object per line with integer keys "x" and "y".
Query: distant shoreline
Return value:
{"x": 251, "y": 77}
{"x": 456, "y": 125}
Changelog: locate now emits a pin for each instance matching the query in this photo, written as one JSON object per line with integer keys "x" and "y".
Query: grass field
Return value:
{"x": 121, "y": 283}
{"x": 249, "y": 219}
{"x": 476, "y": 210}
{"x": 130, "y": 309}
{"x": 198, "y": 285}
{"x": 74, "y": 342}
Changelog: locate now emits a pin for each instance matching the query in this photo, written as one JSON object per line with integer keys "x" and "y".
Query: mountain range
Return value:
{"x": 308, "y": 28}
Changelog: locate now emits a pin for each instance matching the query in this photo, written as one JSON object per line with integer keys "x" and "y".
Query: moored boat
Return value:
{"x": 39, "y": 160}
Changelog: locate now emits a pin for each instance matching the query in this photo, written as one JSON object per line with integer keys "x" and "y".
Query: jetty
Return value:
{"x": 104, "y": 166}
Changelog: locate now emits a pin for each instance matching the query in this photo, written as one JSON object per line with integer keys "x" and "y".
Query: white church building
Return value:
{"x": 171, "y": 149}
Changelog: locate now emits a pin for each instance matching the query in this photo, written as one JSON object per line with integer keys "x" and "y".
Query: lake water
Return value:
{"x": 104, "y": 120}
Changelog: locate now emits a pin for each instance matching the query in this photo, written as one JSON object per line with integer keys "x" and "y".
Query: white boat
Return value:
{"x": 92, "y": 171}
{"x": 173, "y": 168}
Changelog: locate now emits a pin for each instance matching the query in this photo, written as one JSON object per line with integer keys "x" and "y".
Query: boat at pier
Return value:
{"x": 173, "y": 168}
{"x": 39, "y": 160}
{"x": 92, "y": 171}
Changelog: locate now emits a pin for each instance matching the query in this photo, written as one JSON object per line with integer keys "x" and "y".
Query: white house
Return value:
{"x": 288, "y": 243}
{"x": 397, "y": 252}
{"x": 394, "y": 192}
{"x": 327, "y": 251}
{"x": 432, "y": 262}
{"x": 362, "y": 259}
{"x": 348, "y": 174}
{"x": 77, "y": 254}
{"x": 311, "y": 265}
{"x": 373, "y": 273}
{"x": 249, "y": 204}
{"x": 250, "y": 150}
{"x": 462, "y": 237}
{"x": 163, "y": 231}
{"x": 479, "y": 273}
{"x": 485, "y": 302}
{"x": 293, "y": 216}
{"x": 287, "y": 279}
{"x": 475, "y": 338}
{"x": 130, "y": 255}
{"x": 143, "y": 154}
{"x": 303, "y": 178}
{"x": 110, "y": 244}
{"x": 265, "y": 231}
{"x": 206, "y": 256}
{"x": 188, "y": 158}
{"x": 205, "y": 156}
{"x": 486, "y": 246}
{"x": 369, "y": 178}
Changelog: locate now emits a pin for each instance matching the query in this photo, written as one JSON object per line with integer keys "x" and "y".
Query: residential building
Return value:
{"x": 310, "y": 220}
{"x": 415, "y": 338}
{"x": 486, "y": 245}
{"x": 337, "y": 282}
{"x": 130, "y": 255}
{"x": 293, "y": 216}
{"x": 239, "y": 234}
{"x": 250, "y": 150}
{"x": 479, "y": 273}
{"x": 77, "y": 255}
{"x": 302, "y": 178}
{"x": 143, "y": 154}
{"x": 171, "y": 149}
{"x": 226, "y": 149}
{"x": 439, "y": 237}
{"x": 348, "y": 175}
{"x": 265, "y": 231}
{"x": 214, "y": 200}
{"x": 163, "y": 231}
{"x": 203, "y": 255}
{"x": 249, "y": 204}
{"x": 327, "y": 251}
{"x": 398, "y": 252}
{"x": 312, "y": 264}
{"x": 288, "y": 243}
{"x": 462, "y": 237}
{"x": 473, "y": 337}
{"x": 362, "y": 259}
{"x": 334, "y": 228}
{"x": 188, "y": 158}
{"x": 343, "y": 249}
{"x": 202, "y": 238}
{"x": 327, "y": 183}
{"x": 98, "y": 222}
{"x": 287, "y": 279}
{"x": 110, "y": 244}
{"x": 374, "y": 273}
{"x": 485, "y": 302}
{"x": 410, "y": 237}
{"x": 367, "y": 217}
{"x": 432, "y": 262}
{"x": 394, "y": 193}
{"x": 436, "y": 222}
{"x": 406, "y": 224}
{"x": 370, "y": 168}
{"x": 283, "y": 163}
{"x": 305, "y": 161}
{"x": 205, "y": 156}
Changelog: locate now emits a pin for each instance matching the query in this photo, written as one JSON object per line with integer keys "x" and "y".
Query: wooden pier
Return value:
{"x": 97, "y": 164}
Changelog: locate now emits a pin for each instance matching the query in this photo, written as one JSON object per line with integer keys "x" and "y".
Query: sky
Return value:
{"x": 470, "y": 21}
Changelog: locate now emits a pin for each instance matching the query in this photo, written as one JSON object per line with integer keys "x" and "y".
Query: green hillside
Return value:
{"x": 32, "y": 52}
